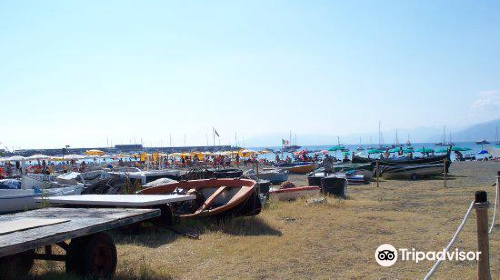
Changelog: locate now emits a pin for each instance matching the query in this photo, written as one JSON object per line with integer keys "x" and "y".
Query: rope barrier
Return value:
{"x": 436, "y": 265}
{"x": 495, "y": 208}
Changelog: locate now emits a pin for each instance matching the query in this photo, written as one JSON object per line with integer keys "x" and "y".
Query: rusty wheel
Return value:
{"x": 93, "y": 257}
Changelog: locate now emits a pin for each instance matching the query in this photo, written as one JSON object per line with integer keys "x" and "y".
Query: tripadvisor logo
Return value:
{"x": 387, "y": 255}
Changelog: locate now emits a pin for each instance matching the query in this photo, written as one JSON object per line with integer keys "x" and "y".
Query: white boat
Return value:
{"x": 13, "y": 200}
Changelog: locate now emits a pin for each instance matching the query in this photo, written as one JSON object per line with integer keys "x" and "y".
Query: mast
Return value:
{"x": 397, "y": 140}
{"x": 290, "y": 138}
{"x": 379, "y": 144}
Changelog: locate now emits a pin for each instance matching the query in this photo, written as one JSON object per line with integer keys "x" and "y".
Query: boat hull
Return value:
{"x": 236, "y": 197}
{"x": 412, "y": 171}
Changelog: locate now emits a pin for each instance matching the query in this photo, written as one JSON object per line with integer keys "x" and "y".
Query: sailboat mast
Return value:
{"x": 379, "y": 145}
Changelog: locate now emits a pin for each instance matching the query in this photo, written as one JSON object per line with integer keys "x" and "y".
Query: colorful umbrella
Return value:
{"x": 336, "y": 148}
{"x": 482, "y": 152}
{"x": 425, "y": 150}
{"x": 375, "y": 151}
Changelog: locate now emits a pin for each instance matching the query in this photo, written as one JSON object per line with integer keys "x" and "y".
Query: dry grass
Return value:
{"x": 335, "y": 240}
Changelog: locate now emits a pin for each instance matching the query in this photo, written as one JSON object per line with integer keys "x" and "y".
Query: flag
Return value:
{"x": 284, "y": 142}
{"x": 216, "y": 133}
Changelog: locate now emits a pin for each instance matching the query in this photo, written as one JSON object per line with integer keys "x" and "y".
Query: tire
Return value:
{"x": 414, "y": 177}
{"x": 16, "y": 266}
{"x": 93, "y": 257}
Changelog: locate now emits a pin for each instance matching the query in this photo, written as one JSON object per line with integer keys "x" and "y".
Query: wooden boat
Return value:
{"x": 214, "y": 197}
{"x": 299, "y": 169}
{"x": 408, "y": 161}
{"x": 413, "y": 172}
{"x": 294, "y": 193}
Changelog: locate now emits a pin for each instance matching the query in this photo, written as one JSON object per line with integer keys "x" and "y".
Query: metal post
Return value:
{"x": 377, "y": 171}
{"x": 483, "y": 246}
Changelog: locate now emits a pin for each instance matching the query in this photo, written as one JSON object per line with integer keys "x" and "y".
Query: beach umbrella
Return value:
{"x": 324, "y": 152}
{"x": 375, "y": 151}
{"x": 395, "y": 150}
{"x": 408, "y": 151}
{"x": 14, "y": 158}
{"x": 336, "y": 148}
{"x": 94, "y": 152}
{"x": 482, "y": 152}
{"x": 345, "y": 153}
{"x": 442, "y": 151}
{"x": 38, "y": 156}
{"x": 460, "y": 149}
{"x": 425, "y": 150}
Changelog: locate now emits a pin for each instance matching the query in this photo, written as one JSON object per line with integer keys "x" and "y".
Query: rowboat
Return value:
{"x": 294, "y": 193}
{"x": 412, "y": 171}
{"x": 299, "y": 169}
{"x": 214, "y": 197}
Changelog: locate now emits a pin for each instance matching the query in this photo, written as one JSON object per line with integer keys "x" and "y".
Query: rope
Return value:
{"x": 436, "y": 265}
{"x": 496, "y": 206}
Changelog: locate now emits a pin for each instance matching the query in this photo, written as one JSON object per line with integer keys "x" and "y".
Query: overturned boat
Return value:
{"x": 413, "y": 172}
{"x": 214, "y": 197}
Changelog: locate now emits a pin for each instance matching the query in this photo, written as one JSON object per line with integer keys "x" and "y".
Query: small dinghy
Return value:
{"x": 214, "y": 197}
{"x": 294, "y": 193}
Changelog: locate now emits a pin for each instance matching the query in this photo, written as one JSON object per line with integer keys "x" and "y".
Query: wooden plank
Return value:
{"x": 27, "y": 223}
{"x": 119, "y": 200}
{"x": 83, "y": 221}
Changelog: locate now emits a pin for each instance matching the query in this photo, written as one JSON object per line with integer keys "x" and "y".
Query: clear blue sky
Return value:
{"x": 77, "y": 72}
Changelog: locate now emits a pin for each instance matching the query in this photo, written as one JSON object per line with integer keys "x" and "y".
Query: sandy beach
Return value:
{"x": 332, "y": 240}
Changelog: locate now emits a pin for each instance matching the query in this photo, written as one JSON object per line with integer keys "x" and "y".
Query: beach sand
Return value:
{"x": 333, "y": 240}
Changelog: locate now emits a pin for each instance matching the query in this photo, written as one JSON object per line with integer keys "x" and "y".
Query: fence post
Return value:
{"x": 498, "y": 195}
{"x": 377, "y": 171}
{"x": 445, "y": 161}
{"x": 483, "y": 266}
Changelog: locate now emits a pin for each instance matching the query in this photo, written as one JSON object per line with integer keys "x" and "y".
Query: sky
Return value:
{"x": 85, "y": 73}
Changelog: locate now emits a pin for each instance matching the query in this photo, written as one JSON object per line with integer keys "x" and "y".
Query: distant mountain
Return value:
{"x": 477, "y": 132}
{"x": 431, "y": 134}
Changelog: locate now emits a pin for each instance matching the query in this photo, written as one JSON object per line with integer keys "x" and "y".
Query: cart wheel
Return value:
{"x": 166, "y": 218}
{"x": 93, "y": 256}
{"x": 414, "y": 177}
{"x": 16, "y": 266}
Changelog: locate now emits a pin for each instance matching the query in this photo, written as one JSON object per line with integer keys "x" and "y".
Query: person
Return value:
{"x": 238, "y": 160}
{"x": 83, "y": 166}
{"x": 400, "y": 152}
{"x": 44, "y": 167}
{"x": 328, "y": 164}
{"x": 18, "y": 167}
{"x": 387, "y": 154}
{"x": 459, "y": 156}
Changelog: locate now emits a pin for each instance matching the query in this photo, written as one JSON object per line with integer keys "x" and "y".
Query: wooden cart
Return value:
{"x": 90, "y": 251}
